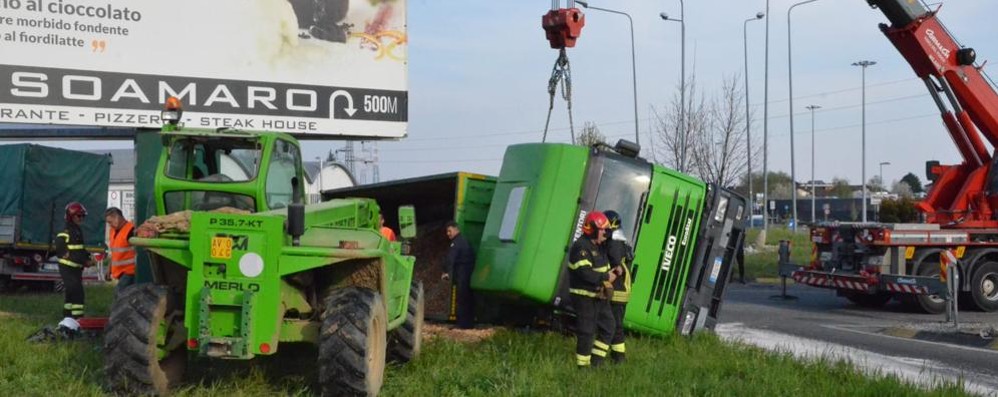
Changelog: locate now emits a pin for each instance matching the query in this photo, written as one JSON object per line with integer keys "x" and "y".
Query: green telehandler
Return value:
{"x": 255, "y": 268}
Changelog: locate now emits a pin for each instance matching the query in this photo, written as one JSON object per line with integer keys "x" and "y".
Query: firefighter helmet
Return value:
{"x": 593, "y": 222}
{"x": 614, "y": 218}
{"x": 75, "y": 208}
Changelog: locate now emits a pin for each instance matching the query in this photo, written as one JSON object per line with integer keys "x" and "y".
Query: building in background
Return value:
{"x": 333, "y": 176}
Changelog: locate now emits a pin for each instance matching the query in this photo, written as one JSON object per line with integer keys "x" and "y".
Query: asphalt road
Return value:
{"x": 821, "y": 324}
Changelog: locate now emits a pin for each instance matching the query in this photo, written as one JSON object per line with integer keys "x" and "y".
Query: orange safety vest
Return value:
{"x": 122, "y": 253}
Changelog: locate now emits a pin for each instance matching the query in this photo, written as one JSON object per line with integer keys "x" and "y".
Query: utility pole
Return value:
{"x": 748, "y": 119}
{"x": 812, "y": 108}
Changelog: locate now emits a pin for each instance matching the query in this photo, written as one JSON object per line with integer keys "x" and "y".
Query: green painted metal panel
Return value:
{"x": 665, "y": 249}
{"x": 531, "y": 221}
{"x": 148, "y": 147}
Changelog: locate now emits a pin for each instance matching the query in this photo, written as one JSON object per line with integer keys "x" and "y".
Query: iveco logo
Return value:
{"x": 670, "y": 248}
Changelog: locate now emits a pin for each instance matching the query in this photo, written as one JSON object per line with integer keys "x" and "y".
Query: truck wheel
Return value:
{"x": 931, "y": 304}
{"x": 877, "y": 300}
{"x": 984, "y": 287}
{"x": 406, "y": 341}
{"x": 352, "y": 343}
{"x": 144, "y": 342}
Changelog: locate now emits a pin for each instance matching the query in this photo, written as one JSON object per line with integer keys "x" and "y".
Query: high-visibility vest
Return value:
{"x": 122, "y": 253}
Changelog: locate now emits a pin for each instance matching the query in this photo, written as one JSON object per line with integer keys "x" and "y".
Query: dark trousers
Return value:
{"x": 617, "y": 341}
{"x": 585, "y": 327}
{"x": 593, "y": 328}
{"x": 465, "y": 299}
{"x": 72, "y": 281}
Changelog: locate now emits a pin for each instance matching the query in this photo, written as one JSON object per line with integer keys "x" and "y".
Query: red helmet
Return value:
{"x": 593, "y": 222}
{"x": 75, "y": 208}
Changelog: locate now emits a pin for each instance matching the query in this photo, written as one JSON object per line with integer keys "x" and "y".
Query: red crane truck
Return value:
{"x": 872, "y": 263}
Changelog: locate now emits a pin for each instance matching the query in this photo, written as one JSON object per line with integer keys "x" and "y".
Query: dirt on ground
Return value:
{"x": 177, "y": 222}
{"x": 433, "y": 331}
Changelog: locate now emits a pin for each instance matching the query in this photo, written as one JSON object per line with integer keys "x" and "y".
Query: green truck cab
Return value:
{"x": 256, "y": 269}
{"x": 686, "y": 232}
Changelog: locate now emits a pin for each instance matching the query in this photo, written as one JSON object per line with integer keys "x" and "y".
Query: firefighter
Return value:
{"x": 122, "y": 253}
{"x": 460, "y": 263}
{"x": 73, "y": 257}
{"x": 588, "y": 269}
{"x": 621, "y": 256}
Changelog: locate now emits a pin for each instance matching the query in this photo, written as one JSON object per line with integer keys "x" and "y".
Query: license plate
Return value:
{"x": 221, "y": 247}
{"x": 826, "y": 256}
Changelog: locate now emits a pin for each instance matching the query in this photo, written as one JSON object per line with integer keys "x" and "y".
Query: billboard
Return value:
{"x": 307, "y": 67}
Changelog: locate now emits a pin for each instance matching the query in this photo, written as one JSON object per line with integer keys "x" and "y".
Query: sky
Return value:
{"x": 478, "y": 74}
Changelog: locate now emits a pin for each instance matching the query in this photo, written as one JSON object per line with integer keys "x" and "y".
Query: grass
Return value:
{"x": 763, "y": 263}
{"x": 509, "y": 364}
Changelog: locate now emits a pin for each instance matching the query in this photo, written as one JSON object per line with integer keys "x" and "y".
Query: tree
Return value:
{"x": 719, "y": 154}
{"x": 781, "y": 191}
{"x": 715, "y": 140}
{"x": 591, "y": 135}
{"x": 669, "y": 138}
{"x": 875, "y": 184}
{"x": 902, "y": 189}
{"x": 913, "y": 182}
{"x": 775, "y": 178}
{"x": 841, "y": 188}
{"x": 898, "y": 211}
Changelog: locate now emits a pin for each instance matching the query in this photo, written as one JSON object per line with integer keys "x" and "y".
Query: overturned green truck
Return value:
{"x": 686, "y": 231}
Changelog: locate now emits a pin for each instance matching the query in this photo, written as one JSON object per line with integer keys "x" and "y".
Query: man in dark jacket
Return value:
{"x": 73, "y": 257}
{"x": 459, "y": 265}
{"x": 588, "y": 270}
{"x": 621, "y": 255}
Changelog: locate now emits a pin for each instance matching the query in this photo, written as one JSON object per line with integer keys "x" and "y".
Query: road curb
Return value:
{"x": 953, "y": 337}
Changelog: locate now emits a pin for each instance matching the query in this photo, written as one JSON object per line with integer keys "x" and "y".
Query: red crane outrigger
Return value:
{"x": 872, "y": 263}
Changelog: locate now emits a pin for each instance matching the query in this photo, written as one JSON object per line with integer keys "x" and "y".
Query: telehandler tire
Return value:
{"x": 352, "y": 343}
{"x": 144, "y": 351}
{"x": 406, "y": 341}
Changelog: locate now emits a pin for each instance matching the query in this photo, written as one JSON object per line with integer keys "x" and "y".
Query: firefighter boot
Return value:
{"x": 618, "y": 357}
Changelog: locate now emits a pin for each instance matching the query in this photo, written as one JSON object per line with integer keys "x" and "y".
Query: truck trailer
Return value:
{"x": 37, "y": 184}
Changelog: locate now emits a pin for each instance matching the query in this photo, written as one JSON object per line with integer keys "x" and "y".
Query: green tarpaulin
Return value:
{"x": 36, "y": 183}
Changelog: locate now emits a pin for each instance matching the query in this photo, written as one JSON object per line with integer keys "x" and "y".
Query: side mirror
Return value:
{"x": 407, "y": 222}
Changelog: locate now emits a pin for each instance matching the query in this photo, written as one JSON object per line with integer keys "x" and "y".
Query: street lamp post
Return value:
{"x": 882, "y": 164}
{"x": 748, "y": 120}
{"x": 812, "y": 108}
{"x": 790, "y": 72}
{"x": 682, "y": 82}
{"x": 634, "y": 68}
{"x": 864, "y": 65}
{"x": 761, "y": 240}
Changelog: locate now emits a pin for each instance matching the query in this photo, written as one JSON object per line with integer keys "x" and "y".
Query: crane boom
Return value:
{"x": 968, "y": 103}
